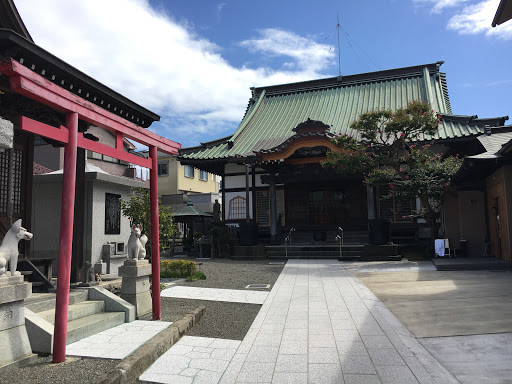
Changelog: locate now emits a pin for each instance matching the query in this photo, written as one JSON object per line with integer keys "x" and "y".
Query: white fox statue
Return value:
{"x": 9, "y": 248}
{"x": 137, "y": 244}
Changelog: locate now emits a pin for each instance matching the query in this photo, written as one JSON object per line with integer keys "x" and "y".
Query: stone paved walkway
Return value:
{"x": 214, "y": 294}
{"x": 117, "y": 342}
{"x": 319, "y": 324}
{"x": 198, "y": 360}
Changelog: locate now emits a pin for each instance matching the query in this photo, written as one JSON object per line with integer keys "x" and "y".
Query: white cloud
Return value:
{"x": 477, "y": 18}
{"x": 439, "y": 5}
{"x": 161, "y": 64}
{"x": 305, "y": 53}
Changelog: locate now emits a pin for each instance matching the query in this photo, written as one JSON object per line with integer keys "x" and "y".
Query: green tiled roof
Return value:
{"x": 274, "y": 111}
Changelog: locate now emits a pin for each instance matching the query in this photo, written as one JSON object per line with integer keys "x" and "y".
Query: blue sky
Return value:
{"x": 193, "y": 61}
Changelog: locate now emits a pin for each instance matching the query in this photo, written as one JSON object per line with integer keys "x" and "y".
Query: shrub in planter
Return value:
{"x": 177, "y": 268}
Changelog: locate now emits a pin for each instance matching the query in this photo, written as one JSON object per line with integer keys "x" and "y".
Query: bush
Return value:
{"x": 198, "y": 275}
{"x": 177, "y": 268}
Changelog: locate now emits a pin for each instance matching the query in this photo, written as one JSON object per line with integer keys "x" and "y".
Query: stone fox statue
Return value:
{"x": 137, "y": 244}
{"x": 9, "y": 248}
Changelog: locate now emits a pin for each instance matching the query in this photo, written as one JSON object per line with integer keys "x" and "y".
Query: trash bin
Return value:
{"x": 379, "y": 231}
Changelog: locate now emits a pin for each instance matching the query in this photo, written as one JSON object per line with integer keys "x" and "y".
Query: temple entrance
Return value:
{"x": 327, "y": 206}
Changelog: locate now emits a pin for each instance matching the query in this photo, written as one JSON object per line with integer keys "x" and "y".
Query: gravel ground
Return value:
{"x": 73, "y": 371}
{"x": 235, "y": 274}
{"x": 221, "y": 320}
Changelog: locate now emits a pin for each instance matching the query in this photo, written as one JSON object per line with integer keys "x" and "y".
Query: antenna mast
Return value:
{"x": 339, "y": 53}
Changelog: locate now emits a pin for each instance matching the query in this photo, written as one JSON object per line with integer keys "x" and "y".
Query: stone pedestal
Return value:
{"x": 135, "y": 289}
{"x": 13, "y": 334}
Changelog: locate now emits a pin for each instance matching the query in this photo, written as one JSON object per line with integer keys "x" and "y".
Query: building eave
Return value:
{"x": 68, "y": 77}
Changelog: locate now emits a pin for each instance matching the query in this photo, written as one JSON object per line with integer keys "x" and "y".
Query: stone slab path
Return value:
{"x": 198, "y": 360}
{"x": 214, "y": 294}
{"x": 117, "y": 342}
{"x": 319, "y": 324}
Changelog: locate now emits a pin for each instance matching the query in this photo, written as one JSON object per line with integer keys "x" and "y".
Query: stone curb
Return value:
{"x": 130, "y": 368}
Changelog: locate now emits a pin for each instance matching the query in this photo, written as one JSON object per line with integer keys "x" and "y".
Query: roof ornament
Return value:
{"x": 311, "y": 126}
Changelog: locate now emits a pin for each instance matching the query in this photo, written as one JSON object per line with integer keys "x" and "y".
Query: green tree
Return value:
{"x": 389, "y": 153}
{"x": 138, "y": 209}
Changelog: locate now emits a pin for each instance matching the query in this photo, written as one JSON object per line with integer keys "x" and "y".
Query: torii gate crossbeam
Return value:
{"x": 28, "y": 83}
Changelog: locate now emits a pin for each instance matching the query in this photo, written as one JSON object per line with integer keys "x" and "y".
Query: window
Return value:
{"x": 237, "y": 208}
{"x": 163, "y": 168}
{"x": 93, "y": 155}
{"x": 109, "y": 159}
{"x": 189, "y": 171}
{"x": 203, "y": 175}
{"x": 398, "y": 211}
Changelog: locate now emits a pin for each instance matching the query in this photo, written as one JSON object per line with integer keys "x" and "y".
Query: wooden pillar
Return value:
{"x": 66, "y": 240}
{"x": 77, "y": 258}
{"x": 273, "y": 211}
{"x": 253, "y": 191}
{"x": 247, "y": 211}
{"x": 155, "y": 233}
{"x": 370, "y": 201}
{"x": 223, "y": 186}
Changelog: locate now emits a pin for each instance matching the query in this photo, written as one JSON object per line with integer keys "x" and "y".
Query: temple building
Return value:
{"x": 271, "y": 166}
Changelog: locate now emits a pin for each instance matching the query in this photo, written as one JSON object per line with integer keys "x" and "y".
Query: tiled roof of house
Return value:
{"x": 274, "y": 111}
{"x": 39, "y": 169}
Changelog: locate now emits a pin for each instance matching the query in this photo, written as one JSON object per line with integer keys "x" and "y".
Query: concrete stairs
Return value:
{"x": 85, "y": 318}
{"x": 362, "y": 252}
{"x": 323, "y": 237}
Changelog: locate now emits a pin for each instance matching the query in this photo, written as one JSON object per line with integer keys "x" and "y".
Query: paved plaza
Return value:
{"x": 193, "y": 360}
{"x": 215, "y": 294}
{"x": 319, "y": 324}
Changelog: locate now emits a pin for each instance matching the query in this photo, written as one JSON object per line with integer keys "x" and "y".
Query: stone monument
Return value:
{"x": 135, "y": 288}
{"x": 13, "y": 291}
{"x": 216, "y": 211}
{"x": 135, "y": 273}
{"x": 13, "y": 334}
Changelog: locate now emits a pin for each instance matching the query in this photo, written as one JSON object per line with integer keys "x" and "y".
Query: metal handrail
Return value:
{"x": 340, "y": 238}
{"x": 288, "y": 239}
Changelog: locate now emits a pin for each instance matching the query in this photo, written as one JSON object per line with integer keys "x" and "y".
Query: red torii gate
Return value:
{"x": 28, "y": 83}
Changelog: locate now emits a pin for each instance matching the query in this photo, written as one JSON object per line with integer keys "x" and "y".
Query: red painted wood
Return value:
{"x": 58, "y": 134}
{"x": 119, "y": 141}
{"x": 34, "y": 86}
{"x": 61, "y": 134}
{"x": 66, "y": 240}
{"x": 155, "y": 238}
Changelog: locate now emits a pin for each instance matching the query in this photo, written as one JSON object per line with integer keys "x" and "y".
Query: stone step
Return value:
{"x": 90, "y": 325}
{"x": 317, "y": 254}
{"x": 45, "y": 301}
{"x": 343, "y": 258}
{"x": 76, "y": 311}
{"x": 353, "y": 247}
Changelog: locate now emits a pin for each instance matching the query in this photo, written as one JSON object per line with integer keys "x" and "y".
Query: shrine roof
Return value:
{"x": 273, "y": 112}
{"x": 68, "y": 77}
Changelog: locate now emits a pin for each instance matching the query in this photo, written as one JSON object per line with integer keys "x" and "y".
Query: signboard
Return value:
{"x": 112, "y": 214}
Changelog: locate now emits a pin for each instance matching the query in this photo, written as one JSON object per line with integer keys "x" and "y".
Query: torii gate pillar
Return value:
{"x": 66, "y": 239}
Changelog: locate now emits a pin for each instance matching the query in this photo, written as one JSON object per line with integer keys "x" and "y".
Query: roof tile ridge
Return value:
{"x": 247, "y": 119}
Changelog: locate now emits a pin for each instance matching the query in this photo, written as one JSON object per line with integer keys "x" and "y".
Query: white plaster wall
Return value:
{"x": 46, "y": 220}
{"x": 234, "y": 168}
{"x": 95, "y": 228}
